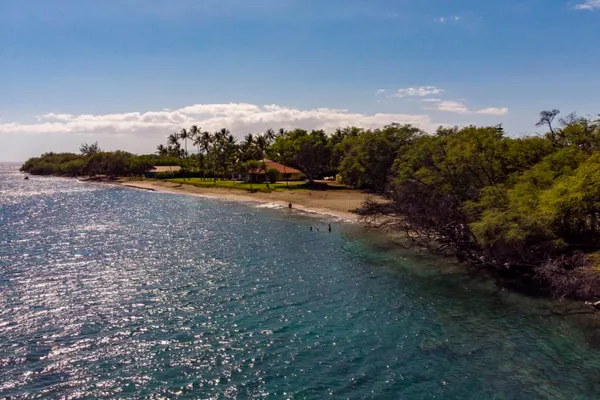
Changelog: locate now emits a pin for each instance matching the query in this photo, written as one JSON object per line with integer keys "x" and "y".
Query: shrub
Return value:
{"x": 271, "y": 175}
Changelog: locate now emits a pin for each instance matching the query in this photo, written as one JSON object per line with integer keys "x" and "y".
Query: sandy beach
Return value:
{"x": 340, "y": 202}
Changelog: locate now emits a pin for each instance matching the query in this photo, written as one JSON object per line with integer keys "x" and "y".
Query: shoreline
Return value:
{"x": 339, "y": 203}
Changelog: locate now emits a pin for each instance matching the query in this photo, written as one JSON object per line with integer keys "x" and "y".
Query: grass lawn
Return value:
{"x": 261, "y": 187}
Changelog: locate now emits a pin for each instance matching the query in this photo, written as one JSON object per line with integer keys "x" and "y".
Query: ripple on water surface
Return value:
{"x": 107, "y": 292}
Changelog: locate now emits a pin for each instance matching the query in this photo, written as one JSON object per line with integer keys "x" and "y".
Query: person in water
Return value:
{"x": 311, "y": 228}
{"x": 290, "y": 205}
{"x": 329, "y": 227}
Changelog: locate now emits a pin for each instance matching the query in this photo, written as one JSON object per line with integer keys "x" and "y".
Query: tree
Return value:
{"x": 184, "y": 135}
{"x": 312, "y": 154}
{"x": 579, "y": 132}
{"x": 94, "y": 165}
{"x": 367, "y": 159}
{"x": 89, "y": 149}
{"x": 193, "y": 134}
{"x": 262, "y": 143}
{"x": 241, "y": 169}
{"x": 269, "y": 136}
{"x": 162, "y": 150}
{"x": 252, "y": 165}
{"x": 546, "y": 118}
{"x": 271, "y": 175}
{"x": 283, "y": 153}
{"x": 139, "y": 165}
{"x": 231, "y": 150}
{"x": 173, "y": 140}
{"x": 220, "y": 151}
{"x": 248, "y": 148}
{"x": 206, "y": 143}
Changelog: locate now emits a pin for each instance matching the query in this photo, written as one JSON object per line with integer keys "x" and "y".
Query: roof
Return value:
{"x": 282, "y": 169}
{"x": 165, "y": 168}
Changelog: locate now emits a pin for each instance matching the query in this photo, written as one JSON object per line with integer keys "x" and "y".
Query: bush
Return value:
{"x": 272, "y": 175}
{"x": 167, "y": 175}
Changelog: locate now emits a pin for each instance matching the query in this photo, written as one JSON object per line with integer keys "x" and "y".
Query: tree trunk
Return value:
{"x": 265, "y": 170}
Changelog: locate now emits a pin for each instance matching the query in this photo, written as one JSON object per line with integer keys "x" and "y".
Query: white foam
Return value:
{"x": 270, "y": 205}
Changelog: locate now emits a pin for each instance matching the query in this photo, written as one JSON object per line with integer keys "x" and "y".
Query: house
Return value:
{"x": 162, "y": 169}
{"x": 284, "y": 173}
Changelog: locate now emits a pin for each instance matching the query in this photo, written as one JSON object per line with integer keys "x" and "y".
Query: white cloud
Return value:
{"x": 589, "y": 5}
{"x": 240, "y": 118}
{"x": 460, "y": 108}
{"x": 431, "y": 100}
{"x": 418, "y": 92}
{"x": 493, "y": 111}
{"x": 452, "y": 106}
{"x": 455, "y": 18}
{"x": 380, "y": 92}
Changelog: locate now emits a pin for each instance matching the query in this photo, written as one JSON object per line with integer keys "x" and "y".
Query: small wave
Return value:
{"x": 270, "y": 205}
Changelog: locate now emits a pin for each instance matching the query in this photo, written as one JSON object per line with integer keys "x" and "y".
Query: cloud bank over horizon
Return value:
{"x": 240, "y": 118}
{"x": 142, "y": 131}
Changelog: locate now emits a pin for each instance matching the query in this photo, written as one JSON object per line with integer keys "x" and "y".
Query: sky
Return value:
{"x": 126, "y": 73}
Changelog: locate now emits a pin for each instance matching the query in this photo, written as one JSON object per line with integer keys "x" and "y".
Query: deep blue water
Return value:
{"x": 118, "y": 293}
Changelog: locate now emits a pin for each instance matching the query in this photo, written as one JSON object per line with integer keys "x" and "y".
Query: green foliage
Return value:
{"x": 118, "y": 163}
{"x": 272, "y": 175}
{"x": 368, "y": 156}
{"x": 252, "y": 165}
{"x": 527, "y": 205}
{"x": 68, "y": 164}
{"x": 309, "y": 152}
{"x": 167, "y": 175}
{"x": 89, "y": 149}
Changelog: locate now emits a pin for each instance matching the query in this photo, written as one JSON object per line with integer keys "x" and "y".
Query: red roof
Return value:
{"x": 273, "y": 165}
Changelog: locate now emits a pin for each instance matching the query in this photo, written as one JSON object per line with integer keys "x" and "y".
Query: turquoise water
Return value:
{"x": 118, "y": 293}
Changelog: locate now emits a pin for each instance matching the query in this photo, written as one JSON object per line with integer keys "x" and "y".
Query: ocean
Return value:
{"x": 109, "y": 292}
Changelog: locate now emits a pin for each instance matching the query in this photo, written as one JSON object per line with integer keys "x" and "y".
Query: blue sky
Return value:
{"x": 128, "y": 72}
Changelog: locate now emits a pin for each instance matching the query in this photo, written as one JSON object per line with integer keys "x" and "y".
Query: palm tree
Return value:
{"x": 185, "y": 136}
{"x": 246, "y": 146}
{"x": 193, "y": 133}
{"x": 173, "y": 139}
{"x": 206, "y": 141}
{"x": 224, "y": 132}
{"x": 220, "y": 150}
{"x": 196, "y": 137}
{"x": 269, "y": 135}
{"x": 161, "y": 150}
{"x": 173, "y": 143}
{"x": 263, "y": 143}
{"x": 230, "y": 150}
{"x": 251, "y": 165}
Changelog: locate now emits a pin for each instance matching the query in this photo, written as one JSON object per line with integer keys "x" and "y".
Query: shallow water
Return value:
{"x": 113, "y": 292}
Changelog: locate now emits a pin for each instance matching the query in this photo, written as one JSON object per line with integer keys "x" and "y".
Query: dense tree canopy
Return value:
{"x": 524, "y": 206}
